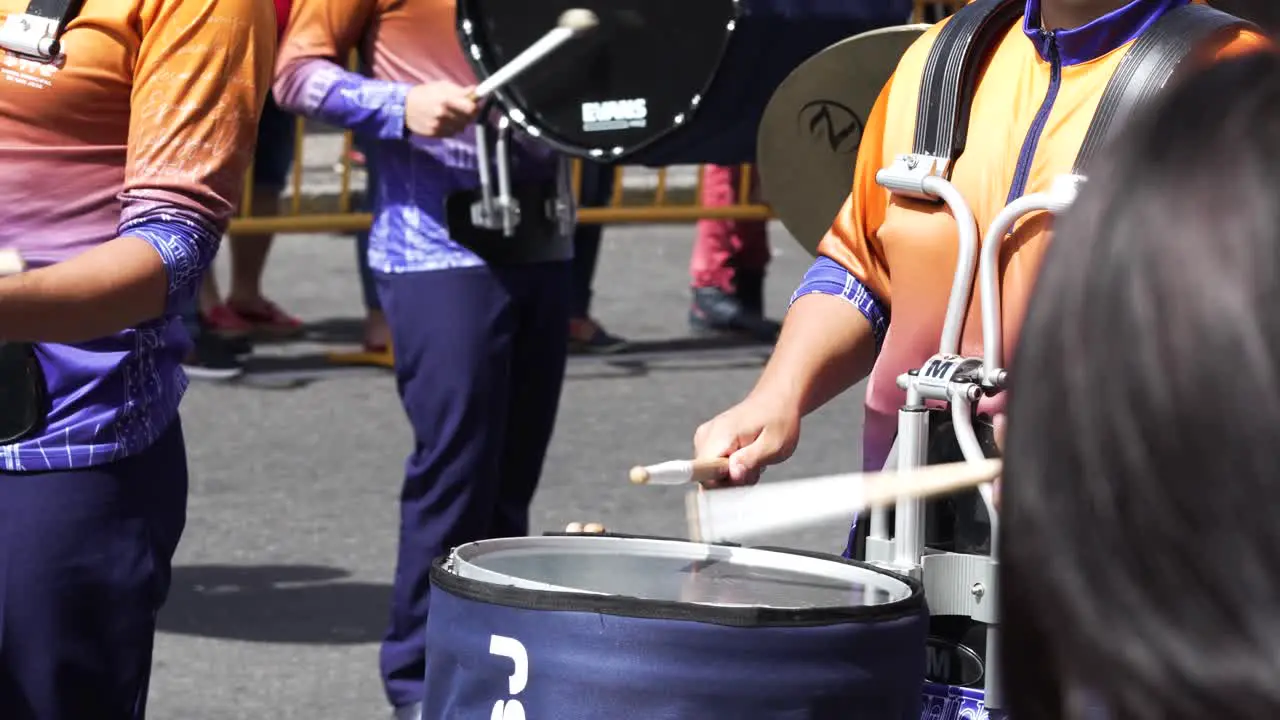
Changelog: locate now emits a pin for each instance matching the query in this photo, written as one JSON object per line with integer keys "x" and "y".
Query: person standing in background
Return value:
{"x": 377, "y": 335}
{"x": 221, "y": 331}
{"x": 585, "y": 333}
{"x": 728, "y": 264}
{"x": 121, "y": 164}
{"x": 479, "y": 322}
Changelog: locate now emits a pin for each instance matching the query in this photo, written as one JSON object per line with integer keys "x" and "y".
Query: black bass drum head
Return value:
{"x": 634, "y": 78}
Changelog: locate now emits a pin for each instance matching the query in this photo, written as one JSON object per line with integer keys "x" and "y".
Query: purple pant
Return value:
{"x": 480, "y": 358}
{"x": 84, "y": 568}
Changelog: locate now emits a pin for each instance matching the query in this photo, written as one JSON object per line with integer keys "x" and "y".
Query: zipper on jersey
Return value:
{"x": 1029, "y": 144}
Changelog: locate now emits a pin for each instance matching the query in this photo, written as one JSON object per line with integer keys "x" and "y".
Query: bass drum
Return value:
{"x": 659, "y": 82}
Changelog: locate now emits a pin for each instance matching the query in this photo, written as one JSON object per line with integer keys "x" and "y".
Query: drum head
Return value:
{"x": 631, "y": 80}
{"x": 809, "y": 136}
{"x": 672, "y": 570}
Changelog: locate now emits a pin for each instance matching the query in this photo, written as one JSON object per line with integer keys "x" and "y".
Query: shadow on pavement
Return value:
{"x": 287, "y": 369}
{"x": 300, "y": 604}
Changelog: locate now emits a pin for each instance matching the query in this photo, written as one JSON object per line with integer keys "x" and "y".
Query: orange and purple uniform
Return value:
{"x": 143, "y": 127}
{"x": 480, "y": 340}
{"x": 894, "y": 257}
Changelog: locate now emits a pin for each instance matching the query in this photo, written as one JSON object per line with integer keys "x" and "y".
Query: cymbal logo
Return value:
{"x": 839, "y": 126}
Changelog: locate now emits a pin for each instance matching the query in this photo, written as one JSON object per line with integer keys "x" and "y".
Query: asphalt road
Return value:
{"x": 281, "y": 584}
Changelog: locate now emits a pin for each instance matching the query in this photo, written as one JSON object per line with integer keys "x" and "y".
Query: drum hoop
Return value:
{"x": 524, "y": 598}
{"x": 474, "y": 53}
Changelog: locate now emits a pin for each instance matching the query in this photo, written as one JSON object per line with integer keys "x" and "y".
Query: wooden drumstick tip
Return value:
{"x": 11, "y": 263}
{"x": 639, "y": 475}
{"x": 578, "y": 19}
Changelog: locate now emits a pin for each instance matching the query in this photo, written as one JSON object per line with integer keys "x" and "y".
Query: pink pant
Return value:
{"x": 724, "y": 247}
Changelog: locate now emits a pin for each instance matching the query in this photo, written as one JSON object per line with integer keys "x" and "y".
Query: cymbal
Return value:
{"x": 810, "y": 131}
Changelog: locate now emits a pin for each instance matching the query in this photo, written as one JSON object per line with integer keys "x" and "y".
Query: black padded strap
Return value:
{"x": 60, "y": 10}
{"x": 951, "y": 73}
{"x": 1150, "y": 62}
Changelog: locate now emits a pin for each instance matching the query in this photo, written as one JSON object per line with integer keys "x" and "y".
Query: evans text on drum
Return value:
{"x": 659, "y": 82}
{"x": 577, "y": 627}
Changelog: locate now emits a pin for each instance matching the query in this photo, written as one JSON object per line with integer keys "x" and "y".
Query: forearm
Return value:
{"x": 154, "y": 267}
{"x": 826, "y": 346}
{"x": 102, "y": 291}
{"x": 829, "y": 339}
{"x": 321, "y": 89}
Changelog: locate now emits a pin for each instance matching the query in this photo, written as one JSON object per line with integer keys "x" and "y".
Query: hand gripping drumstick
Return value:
{"x": 680, "y": 472}
{"x": 571, "y": 24}
{"x": 735, "y": 513}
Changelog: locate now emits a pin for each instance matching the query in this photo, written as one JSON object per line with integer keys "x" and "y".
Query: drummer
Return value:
{"x": 121, "y": 162}
{"x": 888, "y": 258}
{"x": 479, "y": 327}
{"x": 1142, "y": 566}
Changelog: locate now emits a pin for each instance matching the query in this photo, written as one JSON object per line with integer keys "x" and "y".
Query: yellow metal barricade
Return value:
{"x": 654, "y": 199}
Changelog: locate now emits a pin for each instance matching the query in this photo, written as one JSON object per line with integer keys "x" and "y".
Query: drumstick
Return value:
{"x": 11, "y": 263}
{"x": 571, "y": 23}
{"x": 734, "y": 513}
{"x": 680, "y": 472}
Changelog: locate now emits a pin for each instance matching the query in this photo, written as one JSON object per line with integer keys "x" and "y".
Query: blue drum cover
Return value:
{"x": 772, "y": 38}
{"x": 493, "y": 654}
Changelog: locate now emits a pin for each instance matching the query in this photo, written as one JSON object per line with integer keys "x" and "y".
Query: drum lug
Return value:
{"x": 959, "y": 584}
{"x": 497, "y": 214}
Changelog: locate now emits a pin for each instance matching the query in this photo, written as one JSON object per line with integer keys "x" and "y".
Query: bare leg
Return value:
{"x": 249, "y": 253}
{"x": 210, "y": 298}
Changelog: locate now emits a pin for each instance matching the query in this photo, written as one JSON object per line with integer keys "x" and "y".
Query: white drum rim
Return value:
{"x": 463, "y": 564}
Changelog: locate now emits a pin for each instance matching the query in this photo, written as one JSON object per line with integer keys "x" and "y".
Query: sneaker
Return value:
{"x": 715, "y": 311}
{"x": 587, "y": 336}
{"x": 212, "y": 359}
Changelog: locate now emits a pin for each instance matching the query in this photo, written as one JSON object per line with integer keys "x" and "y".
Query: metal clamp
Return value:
{"x": 500, "y": 212}
{"x": 943, "y": 376}
{"x": 32, "y": 36}
{"x": 908, "y": 174}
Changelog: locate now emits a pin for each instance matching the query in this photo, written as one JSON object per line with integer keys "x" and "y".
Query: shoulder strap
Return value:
{"x": 1147, "y": 66}
{"x": 951, "y": 72}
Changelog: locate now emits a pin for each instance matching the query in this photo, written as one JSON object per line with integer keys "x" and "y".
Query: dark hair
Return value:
{"x": 1141, "y": 495}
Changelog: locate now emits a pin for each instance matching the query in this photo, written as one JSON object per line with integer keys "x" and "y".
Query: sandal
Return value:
{"x": 267, "y": 318}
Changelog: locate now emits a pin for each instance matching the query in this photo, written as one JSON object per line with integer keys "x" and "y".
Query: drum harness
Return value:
{"x": 522, "y": 223}
{"x": 966, "y": 584}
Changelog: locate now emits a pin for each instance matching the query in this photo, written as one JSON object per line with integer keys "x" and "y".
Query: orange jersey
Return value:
{"x": 410, "y": 41}
{"x": 1031, "y": 109}
{"x": 135, "y": 115}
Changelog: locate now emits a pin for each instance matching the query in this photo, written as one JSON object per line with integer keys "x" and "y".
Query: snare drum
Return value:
{"x": 631, "y": 628}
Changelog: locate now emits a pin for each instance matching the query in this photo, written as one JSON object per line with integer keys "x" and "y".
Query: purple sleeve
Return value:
{"x": 187, "y": 243}
{"x": 828, "y": 277}
{"x": 322, "y": 90}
